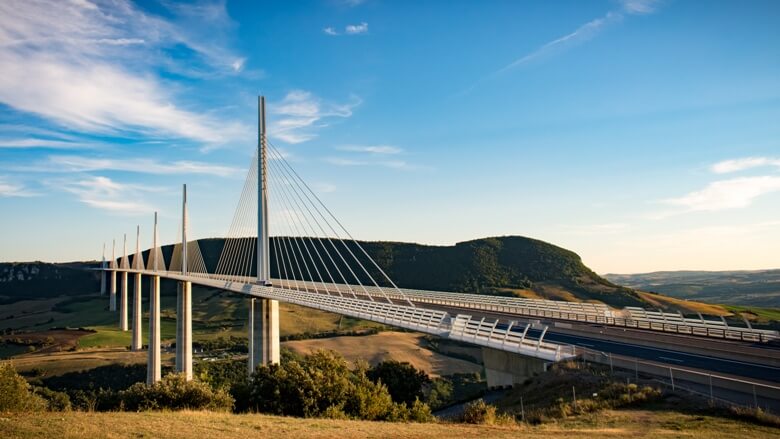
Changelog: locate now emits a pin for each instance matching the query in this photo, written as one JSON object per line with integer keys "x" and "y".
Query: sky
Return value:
{"x": 643, "y": 135}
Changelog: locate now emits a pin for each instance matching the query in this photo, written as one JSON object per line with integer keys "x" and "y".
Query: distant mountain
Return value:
{"x": 759, "y": 288}
{"x": 510, "y": 265}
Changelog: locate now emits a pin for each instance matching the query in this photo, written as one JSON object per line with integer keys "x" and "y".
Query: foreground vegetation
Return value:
{"x": 608, "y": 424}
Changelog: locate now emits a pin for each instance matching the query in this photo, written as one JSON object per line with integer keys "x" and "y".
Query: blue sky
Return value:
{"x": 644, "y": 135}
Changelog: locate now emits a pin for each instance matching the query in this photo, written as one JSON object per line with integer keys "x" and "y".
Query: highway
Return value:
{"x": 720, "y": 356}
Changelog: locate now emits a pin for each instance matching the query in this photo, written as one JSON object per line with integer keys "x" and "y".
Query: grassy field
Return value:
{"x": 58, "y": 363}
{"x": 399, "y": 346}
{"x": 215, "y": 314}
{"x": 610, "y": 424}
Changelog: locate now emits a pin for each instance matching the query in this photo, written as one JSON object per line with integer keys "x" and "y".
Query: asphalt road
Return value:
{"x": 668, "y": 355}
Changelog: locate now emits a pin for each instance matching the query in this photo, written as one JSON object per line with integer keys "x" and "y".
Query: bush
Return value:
{"x": 479, "y": 412}
{"x": 174, "y": 392}
{"x": 15, "y": 395}
{"x": 55, "y": 401}
{"x": 404, "y": 382}
{"x": 322, "y": 385}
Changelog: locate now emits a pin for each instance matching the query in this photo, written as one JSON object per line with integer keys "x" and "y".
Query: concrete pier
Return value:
{"x": 137, "y": 342}
{"x": 263, "y": 333}
{"x": 123, "y": 304}
{"x": 153, "y": 367}
{"x": 112, "y": 292}
{"x": 103, "y": 282}
{"x": 506, "y": 369}
{"x": 184, "y": 329}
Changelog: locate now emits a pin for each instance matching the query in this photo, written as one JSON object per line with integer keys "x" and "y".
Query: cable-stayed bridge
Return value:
{"x": 285, "y": 245}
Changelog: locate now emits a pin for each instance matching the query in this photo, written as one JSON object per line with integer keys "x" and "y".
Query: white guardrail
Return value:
{"x": 481, "y": 332}
{"x": 630, "y": 317}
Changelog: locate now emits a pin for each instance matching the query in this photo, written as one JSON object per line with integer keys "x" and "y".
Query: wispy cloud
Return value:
{"x": 583, "y": 33}
{"x": 105, "y": 194}
{"x": 297, "y": 117}
{"x": 392, "y": 164}
{"x": 145, "y": 166}
{"x": 371, "y": 149}
{"x": 736, "y": 165}
{"x": 91, "y": 66}
{"x": 727, "y": 194}
{"x": 32, "y": 142}
{"x": 14, "y": 189}
{"x": 354, "y": 29}
{"x": 350, "y": 29}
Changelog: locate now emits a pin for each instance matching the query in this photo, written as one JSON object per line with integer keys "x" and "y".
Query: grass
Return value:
{"x": 685, "y": 306}
{"x": 609, "y": 424}
{"x": 756, "y": 314}
{"x": 399, "y": 346}
{"x": 58, "y": 363}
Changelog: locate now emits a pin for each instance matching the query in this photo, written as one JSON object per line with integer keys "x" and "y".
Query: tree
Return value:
{"x": 404, "y": 382}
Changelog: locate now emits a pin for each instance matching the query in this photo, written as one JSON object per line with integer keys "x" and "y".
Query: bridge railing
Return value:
{"x": 487, "y": 333}
{"x": 464, "y": 328}
{"x": 580, "y": 312}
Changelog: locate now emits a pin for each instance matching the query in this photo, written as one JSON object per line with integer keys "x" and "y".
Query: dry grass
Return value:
{"x": 610, "y": 424}
{"x": 58, "y": 363}
{"x": 399, "y": 346}
{"x": 685, "y": 306}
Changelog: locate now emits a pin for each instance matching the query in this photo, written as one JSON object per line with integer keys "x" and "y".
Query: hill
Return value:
{"x": 509, "y": 265}
{"x": 760, "y": 288}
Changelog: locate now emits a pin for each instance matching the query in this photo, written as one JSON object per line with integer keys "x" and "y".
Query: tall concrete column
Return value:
{"x": 112, "y": 292}
{"x": 263, "y": 333}
{"x": 184, "y": 330}
{"x": 103, "y": 273}
{"x": 153, "y": 368}
{"x": 137, "y": 342}
{"x": 123, "y": 304}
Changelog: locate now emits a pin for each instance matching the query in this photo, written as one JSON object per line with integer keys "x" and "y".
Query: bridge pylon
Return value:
{"x": 112, "y": 291}
{"x": 137, "y": 343}
{"x": 184, "y": 303}
{"x": 263, "y": 313}
{"x": 153, "y": 366}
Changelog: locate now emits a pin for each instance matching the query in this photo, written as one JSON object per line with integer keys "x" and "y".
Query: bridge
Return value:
{"x": 313, "y": 261}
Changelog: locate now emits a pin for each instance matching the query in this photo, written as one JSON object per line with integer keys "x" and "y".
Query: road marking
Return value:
{"x": 672, "y": 359}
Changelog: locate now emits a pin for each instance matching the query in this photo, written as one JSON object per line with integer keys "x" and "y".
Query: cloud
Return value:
{"x": 32, "y": 142}
{"x": 146, "y": 166}
{"x": 354, "y": 29}
{"x": 736, "y": 165}
{"x": 93, "y": 66}
{"x": 300, "y": 114}
{"x": 11, "y": 189}
{"x": 350, "y": 29}
{"x": 639, "y": 6}
{"x": 105, "y": 194}
{"x": 392, "y": 164}
{"x": 583, "y": 33}
{"x": 727, "y": 194}
{"x": 376, "y": 149}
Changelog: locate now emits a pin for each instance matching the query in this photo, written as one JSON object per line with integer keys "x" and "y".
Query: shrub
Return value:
{"x": 55, "y": 401}
{"x": 404, "y": 382}
{"x": 322, "y": 385}
{"x": 479, "y": 412}
{"x": 15, "y": 395}
{"x": 174, "y": 392}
